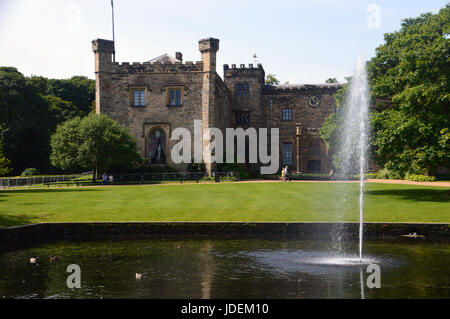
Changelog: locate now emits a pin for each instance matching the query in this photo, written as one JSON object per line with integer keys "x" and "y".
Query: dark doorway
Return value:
{"x": 157, "y": 147}
{"x": 314, "y": 166}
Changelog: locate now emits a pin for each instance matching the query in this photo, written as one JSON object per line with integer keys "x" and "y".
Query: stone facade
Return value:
{"x": 153, "y": 98}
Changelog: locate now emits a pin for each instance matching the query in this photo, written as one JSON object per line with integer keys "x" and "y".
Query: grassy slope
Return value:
{"x": 225, "y": 202}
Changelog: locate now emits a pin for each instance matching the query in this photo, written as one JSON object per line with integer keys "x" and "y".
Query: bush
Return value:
{"x": 244, "y": 175}
{"x": 388, "y": 174}
{"x": 371, "y": 175}
{"x": 419, "y": 178}
{"x": 30, "y": 172}
{"x": 443, "y": 177}
{"x": 196, "y": 168}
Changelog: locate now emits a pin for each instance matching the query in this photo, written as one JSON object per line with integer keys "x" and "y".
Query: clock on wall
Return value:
{"x": 314, "y": 101}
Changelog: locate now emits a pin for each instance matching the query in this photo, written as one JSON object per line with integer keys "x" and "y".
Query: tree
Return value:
{"x": 94, "y": 142}
{"x": 412, "y": 69}
{"x": 271, "y": 79}
{"x": 78, "y": 90}
{"x": 409, "y": 92}
{"x": 4, "y": 163}
{"x": 333, "y": 127}
{"x": 24, "y": 122}
{"x": 331, "y": 80}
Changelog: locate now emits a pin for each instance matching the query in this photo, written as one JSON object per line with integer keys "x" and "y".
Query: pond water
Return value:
{"x": 200, "y": 267}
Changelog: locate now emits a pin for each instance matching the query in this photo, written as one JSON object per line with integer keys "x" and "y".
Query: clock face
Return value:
{"x": 314, "y": 101}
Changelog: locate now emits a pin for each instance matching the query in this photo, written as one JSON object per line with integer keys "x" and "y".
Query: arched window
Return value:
{"x": 157, "y": 147}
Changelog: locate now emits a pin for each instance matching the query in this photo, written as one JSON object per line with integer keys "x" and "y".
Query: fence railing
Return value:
{"x": 34, "y": 180}
{"x": 143, "y": 178}
{"x": 136, "y": 178}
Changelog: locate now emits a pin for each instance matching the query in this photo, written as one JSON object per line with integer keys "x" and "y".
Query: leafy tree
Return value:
{"x": 4, "y": 163}
{"x": 78, "y": 90}
{"x": 331, "y": 80}
{"x": 24, "y": 121}
{"x": 410, "y": 98}
{"x": 95, "y": 142}
{"x": 333, "y": 127}
{"x": 61, "y": 110}
{"x": 271, "y": 79}
{"x": 412, "y": 68}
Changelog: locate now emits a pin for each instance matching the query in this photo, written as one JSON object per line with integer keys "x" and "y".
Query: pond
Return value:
{"x": 224, "y": 267}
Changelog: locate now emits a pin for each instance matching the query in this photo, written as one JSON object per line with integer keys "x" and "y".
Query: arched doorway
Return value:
{"x": 157, "y": 146}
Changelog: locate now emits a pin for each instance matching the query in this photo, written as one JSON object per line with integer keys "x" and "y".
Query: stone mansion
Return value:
{"x": 153, "y": 98}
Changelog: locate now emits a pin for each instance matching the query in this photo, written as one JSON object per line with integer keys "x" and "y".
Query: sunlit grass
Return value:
{"x": 313, "y": 201}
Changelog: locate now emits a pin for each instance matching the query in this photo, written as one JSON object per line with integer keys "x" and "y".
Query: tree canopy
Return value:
{"x": 412, "y": 68}
{"x": 271, "y": 79}
{"x": 24, "y": 121}
{"x": 30, "y": 110}
{"x": 409, "y": 80}
{"x": 94, "y": 142}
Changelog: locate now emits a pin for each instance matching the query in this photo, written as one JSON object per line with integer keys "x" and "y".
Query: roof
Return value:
{"x": 165, "y": 58}
{"x": 304, "y": 88}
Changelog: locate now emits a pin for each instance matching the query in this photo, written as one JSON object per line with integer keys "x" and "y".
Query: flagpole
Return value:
{"x": 114, "y": 39}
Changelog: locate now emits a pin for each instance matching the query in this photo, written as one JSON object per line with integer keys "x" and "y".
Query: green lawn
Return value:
{"x": 225, "y": 202}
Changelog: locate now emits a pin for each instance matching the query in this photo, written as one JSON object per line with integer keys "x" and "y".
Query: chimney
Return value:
{"x": 179, "y": 56}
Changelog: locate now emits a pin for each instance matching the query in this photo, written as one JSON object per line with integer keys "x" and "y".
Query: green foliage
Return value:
{"x": 61, "y": 110}
{"x": 385, "y": 173}
{"x": 196, "y": 167}
{"x": 271, "y": 79}
{"x": 410, "y": 133}
{"x": 94, "y": 142}
{"x": 333, "y": 127}
{"x": 30, "y": 172}
{"x": 78, "y": 90}
{"x": 419, "y": 178}
{"x": 412, "y": 68}
{"x": 331, "y": 80}
{"x": 4, "y": 163}
{"x": 25, "y": 121}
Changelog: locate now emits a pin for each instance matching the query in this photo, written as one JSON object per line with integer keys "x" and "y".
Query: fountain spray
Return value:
{"x": 355, "y": 134}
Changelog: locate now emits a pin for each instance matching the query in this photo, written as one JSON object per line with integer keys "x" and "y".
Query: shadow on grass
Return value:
{"x": 418, "y": 195}
{"x": 50, "y": 190}
{"x": 12, "y": 220}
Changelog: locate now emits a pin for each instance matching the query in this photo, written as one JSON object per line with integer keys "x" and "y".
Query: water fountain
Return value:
{"x": 354, "y": 144}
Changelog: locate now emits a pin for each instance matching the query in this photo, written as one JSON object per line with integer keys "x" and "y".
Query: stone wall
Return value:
{"x": 296, "y": 97}
{"x": 115, "y": 83}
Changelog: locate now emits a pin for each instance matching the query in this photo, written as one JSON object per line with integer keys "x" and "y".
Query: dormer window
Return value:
{"x": 175, "y": 96}
{"x": 241, "y": 89}
{"x": 138, "y": 97}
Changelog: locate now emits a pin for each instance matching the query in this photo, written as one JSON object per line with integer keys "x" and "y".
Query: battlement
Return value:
{"x": 244, "y": 71}
{"x": 156, "y": 67}
{"x": 243, "y": 68}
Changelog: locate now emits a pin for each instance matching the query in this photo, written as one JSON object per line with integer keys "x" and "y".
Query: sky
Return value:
{"x": 300, "y": 41}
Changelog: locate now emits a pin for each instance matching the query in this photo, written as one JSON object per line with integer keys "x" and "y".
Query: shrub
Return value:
{"x": 388, "y": 174}
{"x": 196, "y": 167}
{"x": 30, "y": 172}
{"x": 419, "y": 178}
{"x": 443, "y": 177}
